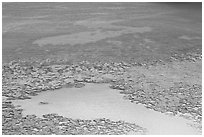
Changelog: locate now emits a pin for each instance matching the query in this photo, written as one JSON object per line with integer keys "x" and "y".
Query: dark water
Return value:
{"x": 24, "y": 23}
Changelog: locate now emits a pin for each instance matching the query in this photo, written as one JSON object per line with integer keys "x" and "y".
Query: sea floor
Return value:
{"x": 96, "y": 101}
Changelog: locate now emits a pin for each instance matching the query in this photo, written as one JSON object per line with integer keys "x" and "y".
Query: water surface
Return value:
{"x": 63, "y": 26}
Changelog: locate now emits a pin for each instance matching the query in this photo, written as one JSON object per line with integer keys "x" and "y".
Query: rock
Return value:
{"x": 107, "y": 78}
{"x": 33, "y": 94}
{"x": 69, "y": 81}
{"x": 126, "y": 97}
{"x": 120, "y": 87}
{"x": 97, "y": 79}
{"x": 43, "y": 103}
{"x": 88, "y": 80}
{"x": 127, "y": 92}
{"x": 68, "y": 85}
{"x": 93, "y": 123}
{"x": 79, "y": 85}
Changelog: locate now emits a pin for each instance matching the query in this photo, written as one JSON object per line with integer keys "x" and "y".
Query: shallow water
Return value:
{"x": 65, "y": 26}
{"x": 99, "y": 101}
{"x": 88, "y": 37}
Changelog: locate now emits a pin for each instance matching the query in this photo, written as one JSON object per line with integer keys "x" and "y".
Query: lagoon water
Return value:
{"x": 99, "y": 101}
{"x": 46, "y": 29}
{"x": 88, "y": 37}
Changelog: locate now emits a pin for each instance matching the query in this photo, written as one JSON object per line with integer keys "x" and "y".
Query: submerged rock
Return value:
{"x": 20, "y": 82}
{"x": 79, "y": 85}
{"x": 43, "y": 103}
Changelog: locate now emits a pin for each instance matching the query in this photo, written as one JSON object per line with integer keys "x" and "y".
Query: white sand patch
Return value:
{"x": 99, "y": 101}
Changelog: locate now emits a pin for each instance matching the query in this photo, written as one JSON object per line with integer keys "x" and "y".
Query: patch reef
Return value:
{"x": 22, "y": 79}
